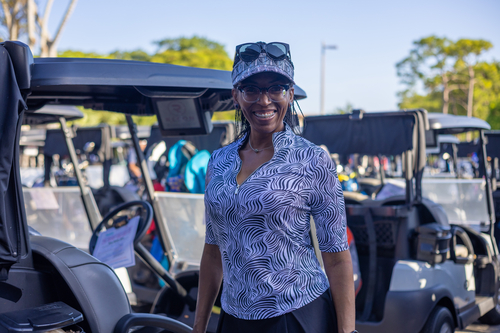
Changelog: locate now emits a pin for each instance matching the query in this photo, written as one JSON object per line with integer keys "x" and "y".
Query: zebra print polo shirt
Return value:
{"x": 262, "y": 226}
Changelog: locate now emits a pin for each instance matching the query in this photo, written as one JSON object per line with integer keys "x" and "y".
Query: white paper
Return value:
{"x": 115, "y": 247}
{"x": 44, "y": 198}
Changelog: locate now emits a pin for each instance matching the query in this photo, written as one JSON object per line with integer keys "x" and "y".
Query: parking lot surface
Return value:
{"x": 481, "y": 328}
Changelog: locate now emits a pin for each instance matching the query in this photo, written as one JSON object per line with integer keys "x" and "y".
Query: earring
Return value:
{"x": 237, "y": 106}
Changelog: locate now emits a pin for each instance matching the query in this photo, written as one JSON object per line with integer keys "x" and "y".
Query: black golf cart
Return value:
{"x": 423, "y": 273}
{"x": 48, "y": 284}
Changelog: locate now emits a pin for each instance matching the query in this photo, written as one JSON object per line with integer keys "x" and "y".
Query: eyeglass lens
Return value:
{"x": 275, "y": 93}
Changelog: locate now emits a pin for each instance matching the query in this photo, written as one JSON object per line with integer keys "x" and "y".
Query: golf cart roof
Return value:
{"x": 51, "y": 113}
{"x": 451, "y": 124}
{"x": 370, "y": 133}
{"x": 127, "y": 86}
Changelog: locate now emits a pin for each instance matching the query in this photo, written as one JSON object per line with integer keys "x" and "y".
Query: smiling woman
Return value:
{"x": 261, "y": 192}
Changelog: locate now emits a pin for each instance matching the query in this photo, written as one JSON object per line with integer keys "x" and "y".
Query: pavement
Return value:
{"x": 480, "y": 328}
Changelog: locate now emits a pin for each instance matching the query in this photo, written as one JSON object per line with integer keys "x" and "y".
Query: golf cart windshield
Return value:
{"x": 464, "y": 200}
{"x": 56, "y": 212}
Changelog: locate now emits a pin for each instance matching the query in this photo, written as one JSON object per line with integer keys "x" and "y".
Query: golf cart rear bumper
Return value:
{"x": 405, "y": 311}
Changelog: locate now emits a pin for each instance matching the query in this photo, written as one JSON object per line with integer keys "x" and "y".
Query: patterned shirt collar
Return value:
{"x": 280, "y": 139}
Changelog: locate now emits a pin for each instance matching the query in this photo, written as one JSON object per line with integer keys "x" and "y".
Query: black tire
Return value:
{"x": 493, "y": 316}
{"x": 440, "y": 321}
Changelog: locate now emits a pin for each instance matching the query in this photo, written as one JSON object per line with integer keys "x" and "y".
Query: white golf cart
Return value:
{"x": 425, "y": 270}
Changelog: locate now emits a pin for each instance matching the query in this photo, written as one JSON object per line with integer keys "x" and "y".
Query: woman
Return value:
{"x": 261, "y": 191}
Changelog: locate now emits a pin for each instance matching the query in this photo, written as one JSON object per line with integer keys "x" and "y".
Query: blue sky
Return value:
{"x": 371, "y": 36}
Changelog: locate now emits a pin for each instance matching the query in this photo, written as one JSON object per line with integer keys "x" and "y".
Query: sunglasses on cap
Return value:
{"x": 249, "y": 52}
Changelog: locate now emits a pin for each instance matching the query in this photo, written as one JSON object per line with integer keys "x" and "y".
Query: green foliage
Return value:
{"x": 192, "y": 52}
{"x": 487, "y": 90}
{"x": 432, "y": 102}
{"x": 94, "y": 118}
{"x": 81, "y": 54}
{"x": 347, "y": 109}
{"x": 225, "y": 115}
{"x": 494, "y": 115}
{"x": 137, "y": 55}
{"x": 446, "y": 70}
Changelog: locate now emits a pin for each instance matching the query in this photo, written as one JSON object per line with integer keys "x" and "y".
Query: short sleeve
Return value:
{"x": 209, "y": 234}
{"x": 132, "y": 157}
{"x": 326, "y": 200}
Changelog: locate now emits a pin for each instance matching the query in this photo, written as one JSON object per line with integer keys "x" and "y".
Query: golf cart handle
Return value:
{"x": 457, "y": 231}
{"x": 150, "y": 320}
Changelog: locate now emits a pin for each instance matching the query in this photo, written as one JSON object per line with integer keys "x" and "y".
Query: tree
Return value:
{"x": 22, "y": 17}
{"x": 442, "y": 65}
{"x": 13, "y": 18}
{"x": 467, "y": 52}
{"x": 193, "y": 52}
{"x": 347, "y": 109}
{"x": 432, "y": 102}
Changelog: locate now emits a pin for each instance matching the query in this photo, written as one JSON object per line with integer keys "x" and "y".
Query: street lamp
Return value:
{"x": 322, "y": 85}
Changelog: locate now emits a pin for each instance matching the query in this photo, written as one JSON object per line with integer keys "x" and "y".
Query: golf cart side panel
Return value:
{"x": 400, "y": 310}
{"x": 412, "y": 275}
{"x": 13, "y": 226}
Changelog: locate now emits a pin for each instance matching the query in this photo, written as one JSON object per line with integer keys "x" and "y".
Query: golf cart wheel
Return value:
{"x": 493, "y": 316}
{"x": 440, "y": 321}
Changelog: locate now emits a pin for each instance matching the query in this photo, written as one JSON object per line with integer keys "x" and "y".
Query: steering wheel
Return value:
{"x": 120, "y": 216}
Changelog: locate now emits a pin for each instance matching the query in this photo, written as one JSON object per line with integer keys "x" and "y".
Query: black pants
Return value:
{"x": 316, "y": 317}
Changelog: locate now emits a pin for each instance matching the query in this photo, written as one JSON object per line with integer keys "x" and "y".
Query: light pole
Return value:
{"x": 322, "y": 84}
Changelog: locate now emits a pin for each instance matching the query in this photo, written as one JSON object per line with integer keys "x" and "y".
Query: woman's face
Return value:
{"x": 264, "y": 116}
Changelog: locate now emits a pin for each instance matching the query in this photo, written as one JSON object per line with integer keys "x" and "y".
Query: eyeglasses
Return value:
{"x": 248, "y": 52}
{"x": 276, "y": 93}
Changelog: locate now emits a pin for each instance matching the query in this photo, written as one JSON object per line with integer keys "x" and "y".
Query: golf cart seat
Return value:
{"x": 356, "y": 198}
{"x": 429, "y": 211}
{"x": 93, "y": 285}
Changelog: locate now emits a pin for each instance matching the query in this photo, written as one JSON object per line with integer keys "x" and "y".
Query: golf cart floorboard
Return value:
{"x": 483, "y": 305}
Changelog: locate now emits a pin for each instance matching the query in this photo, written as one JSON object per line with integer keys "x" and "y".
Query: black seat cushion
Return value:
{"x": 95, "y": 285}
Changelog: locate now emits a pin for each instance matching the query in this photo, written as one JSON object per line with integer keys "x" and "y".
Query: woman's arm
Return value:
{"x": 208, "y": 286}
{"x": 338, "y": 267}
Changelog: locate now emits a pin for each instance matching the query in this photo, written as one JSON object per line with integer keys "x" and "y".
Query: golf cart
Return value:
{"x": 43, "y": 274}
{"x": 48, "y": 284}
{"x": 38, "y": 271}
{"x": 423, "y": 273}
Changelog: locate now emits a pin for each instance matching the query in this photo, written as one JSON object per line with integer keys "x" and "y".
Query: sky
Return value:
{"x": 370, "y": 36}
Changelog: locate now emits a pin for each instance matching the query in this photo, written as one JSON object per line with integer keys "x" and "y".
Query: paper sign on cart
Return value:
{"x": 115, "y": 247}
